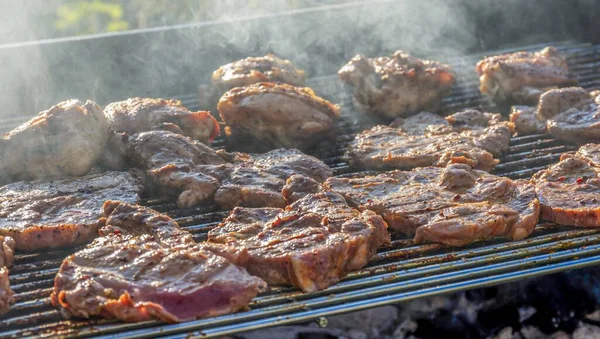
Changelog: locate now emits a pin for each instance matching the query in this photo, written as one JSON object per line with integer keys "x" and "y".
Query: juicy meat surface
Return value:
{"x": 252, "y": 70}
{"x": 521, "y": 77}
{"x": 61, "y": 213}
{"x": 384, "y": 147}
{"x": 136, "y": 115}
{"x": 7, "y": 248}
{"x": 572, "y": 114}
{"x": 456, "y": 205}
{"x": 199, "y": 174}
{"x": 62, "y": 141}
{"x": 526, "y": 121}
{"x": 569, "y": 190}
{"x": 310, "y": 244}
{"x": 272, "y": 115}
{"x": 145, "y": 267}
{"x": 398, "y": 85}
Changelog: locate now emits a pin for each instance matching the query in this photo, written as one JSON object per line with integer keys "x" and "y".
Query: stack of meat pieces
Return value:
{"x": 426, "y": 139}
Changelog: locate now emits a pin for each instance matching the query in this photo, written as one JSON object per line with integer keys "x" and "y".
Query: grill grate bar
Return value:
{"x": 400, "y": 272}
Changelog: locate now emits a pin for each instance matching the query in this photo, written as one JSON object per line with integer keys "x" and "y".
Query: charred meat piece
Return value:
{"x": 61, "y": 213}
{"x": 487, "y": 130}
{"x": 526, "y": 121}
{"x": 6, "y": 294}
{"x": 398, "y": 85}
{"x": 573, "y": 114}
{"x": 456, "y": 205}
{"x": 62, "y": 141}
{"x": 310, "y": 244}
{"x": 268, "y": 115}
{"x": 256, "y": 180}
{"x": 384, "y": 147}
{"x": 568, "y": 191}
{"x": 252, "y": 70}
{"x": 423, "y": 123}
{"x": 144, "y": 267}
{"x": 197, "y": 173}
{"x": 136, "y": 115}
{"x": 522, "y": 77}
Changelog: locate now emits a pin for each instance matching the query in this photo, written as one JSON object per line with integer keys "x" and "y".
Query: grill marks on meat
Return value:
{"x": 61, "y": 213}
{"x": 310, "y": 244}
{"x": 522, "y": 77}
{"x": 568, "y": 191}
{"x": 455, "y": 205}
{"x": 7, "y": 248}
{"x": 144, "y": 267}
{"x": 199, "y": 174}
{"x": 470, "y": 137}
{"x": 398, "y": 85}
{"x": 573, "y": 114}
{"x": 269, "y": 68}
{"x": 264, "y": 116}
{"x": 64, "y": 140}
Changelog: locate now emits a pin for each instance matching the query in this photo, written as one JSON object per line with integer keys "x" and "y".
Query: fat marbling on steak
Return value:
{"x": 398, "y": 85}
{"x": 145, "y": 267}
{"x": 569, "y": 190}
{"x": 58, "y": 213}
{"x": 311, "y": 243}
{"x": 470, "y": 137}
{"x": 455, "y": 205}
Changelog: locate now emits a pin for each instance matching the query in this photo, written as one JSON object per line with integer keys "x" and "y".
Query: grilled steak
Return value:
{"x": 199, "y": 174}
{"x": 269, "y": 68}
{"x": 526, "y": 121}
{"x": 455, "y": 205}
{"x": 396, "y": 86}
{"x": 264, "y": 116}
{"x": 573, "y": 114}
{"x": 522, "y": 77}
{"x": 568, "y": 190}
{"x": 144, "y": 267}
{"x": 7, "y": 248}
{"x": 310, "y": 244}
{"x": 64, "y": 140}
{"x": 64, "y": 212}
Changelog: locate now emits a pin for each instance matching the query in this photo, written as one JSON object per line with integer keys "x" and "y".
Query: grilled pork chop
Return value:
{"x": 573, "y": 114}
{"x": 264, "y": 116}
{"x": 60, "y": 213}
{"x": 7, "y": 248}
{"x": 568, "y": 190}
{"x": 456, "y": 205}
{"x": 396, "y": 86}
{"x": 522, "y": 77}
{"x": 526, "y": 120}
{"x": 310, "y": 244}
{"x": 252, "y": 70}
{"x": 62, "y": 141}
{"x": 198, "y": 174}
{"x": 144, "y": 267}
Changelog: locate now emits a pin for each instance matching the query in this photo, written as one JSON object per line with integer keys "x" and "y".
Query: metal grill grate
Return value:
{"x": 398, "y": 273}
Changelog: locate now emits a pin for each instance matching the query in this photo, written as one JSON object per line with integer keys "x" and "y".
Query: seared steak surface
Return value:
{"x": 7, "y": 248}
{"x": 61, "y": 213}
{"x": 266, "y": 115}
{"x": 569, "y": 190}
{"x": 526, "y": 120}
{"x": 455, "y": 205}
{"x": 398, "y": 85}
{"x": 144, "y": 267}
{"x": 521, "y": 77}
{"x": 64, "y": 140}
{"x": 269, "y": 68}
{"x": 311, "y": 244}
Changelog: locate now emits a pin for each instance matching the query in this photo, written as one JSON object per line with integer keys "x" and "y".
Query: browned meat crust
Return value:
{"x": 398, "y": 85}
{"x": 526, "y": 120}
{"x": 522, "y": 77}
{"x": 569, "y": 190}
{"x": 269, "y": 68}
{"x": 310, "y": 244}
{"x": 144, "y": 267}
{"x": 277, "y": 115}
{"x": 62, "y": 141}
{"x": 455, "y": 205}
{"x": 60, "y": 213}
{"x": 7, "y": 250}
